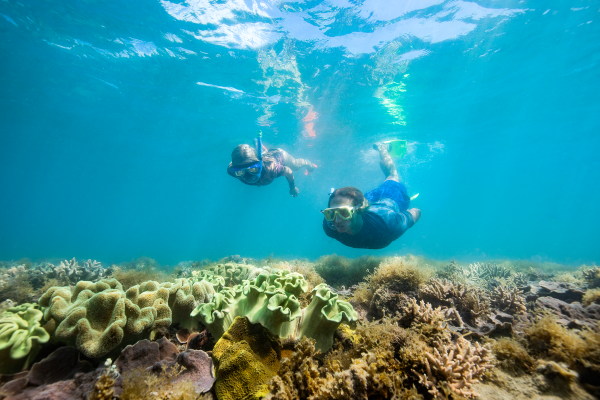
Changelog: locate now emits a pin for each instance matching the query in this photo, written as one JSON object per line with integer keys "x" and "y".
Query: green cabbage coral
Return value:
{"x": 21, "y": 337}
{"x": 271, "y": 299}
{"x": 230, "y": 274}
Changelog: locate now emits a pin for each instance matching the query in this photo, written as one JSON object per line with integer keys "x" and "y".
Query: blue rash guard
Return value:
{"x": 384, "y": 221}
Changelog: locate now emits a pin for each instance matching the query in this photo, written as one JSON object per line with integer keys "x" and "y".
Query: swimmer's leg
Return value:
{"x": 296, "y": 163}
{"x": 386, "y": 163}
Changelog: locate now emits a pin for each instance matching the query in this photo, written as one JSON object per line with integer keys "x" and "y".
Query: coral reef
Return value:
{"x": 70, "y": 272}
{"x": 271, "y": 299}
{"x": 573, "y": 315}
{"x": 233, "y": 274}
{"x": 284, "y": 334}
{"x": 373, "y": 374}
{"x": 591, "y": 296}
{"x": 460, "y": 365}
{"x": 485, "y": 271}
{"x": 245, "y": 357}
{"x": 341, "y": 271}
{"x": 21, "y": 337}
{"x": 98, "y": 317}
{"x": 592, "y": 277}
{"x": 15, "y": 285}
{"x": 470, "y": 301}
{"x": 399, "y": 274}
{"x": 512, "y": 356}
{"x": 104, "y": 389}
{"x": 508, "y": 300}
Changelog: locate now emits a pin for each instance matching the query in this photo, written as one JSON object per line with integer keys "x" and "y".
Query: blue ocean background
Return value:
{"x": 118, "y": 120}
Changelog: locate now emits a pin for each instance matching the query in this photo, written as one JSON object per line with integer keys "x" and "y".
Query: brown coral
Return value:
{"x": 508, "y": 300}
{"x": 459, "y": 365}
{"x": 470, "y": 301}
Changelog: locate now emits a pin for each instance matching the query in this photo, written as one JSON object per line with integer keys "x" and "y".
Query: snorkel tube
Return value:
{"x": 259, "y": 145}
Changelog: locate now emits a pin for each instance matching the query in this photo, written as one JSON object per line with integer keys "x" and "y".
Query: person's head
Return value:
{"x": 245, "y": 165}
{"x": 243, "y": 155}
{"x": 347, "y": 197}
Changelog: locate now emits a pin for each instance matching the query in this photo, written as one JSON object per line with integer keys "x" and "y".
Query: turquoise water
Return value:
{"x": 118, "y": 120}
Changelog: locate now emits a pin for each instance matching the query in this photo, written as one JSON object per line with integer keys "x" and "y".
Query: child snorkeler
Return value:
{"x": 262, "y": 168}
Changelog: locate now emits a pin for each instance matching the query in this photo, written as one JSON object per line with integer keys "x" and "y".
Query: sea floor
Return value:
{"x": 335, "y": 328}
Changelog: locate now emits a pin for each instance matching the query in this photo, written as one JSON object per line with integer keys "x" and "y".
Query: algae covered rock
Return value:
{"x": 21, "y": 337}
{"x": 246, "y": 357}
{"x": 271, "y": 299}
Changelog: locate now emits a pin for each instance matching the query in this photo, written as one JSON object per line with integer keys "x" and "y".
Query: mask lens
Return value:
{"x": 344, "y": 212}
{"x": 253, "y": 170}
{"x": 329, "y": 214}
{"x": 239, "y": 173}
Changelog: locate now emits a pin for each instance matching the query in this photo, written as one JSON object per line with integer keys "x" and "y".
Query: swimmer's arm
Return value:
{"x": 287, "y": 172}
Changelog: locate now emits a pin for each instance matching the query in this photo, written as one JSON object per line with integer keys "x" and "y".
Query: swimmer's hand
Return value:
{"x": 294, "y": 191}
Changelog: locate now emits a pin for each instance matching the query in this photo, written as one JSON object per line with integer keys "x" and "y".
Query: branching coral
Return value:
{"x": 374, "y": 374}
{"x": 104, "y": 388}
{"x": 486, "y": 271}
{"x": 460, "y": 365}
{"x": 508, "y": 300}
{"x": 21, "y": 337}
{"x": 470, "y": 301}
{"x": 70, "y": 272}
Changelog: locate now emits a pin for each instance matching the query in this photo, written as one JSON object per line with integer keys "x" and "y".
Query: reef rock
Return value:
{"x": 194, "y": 365}
{"x": 564, "y": 291}
{"x": 574, "y": 314}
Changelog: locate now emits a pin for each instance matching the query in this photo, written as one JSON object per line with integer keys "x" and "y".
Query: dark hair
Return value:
{"x": 358, "y": 199}
{"x": 243, "y": 154}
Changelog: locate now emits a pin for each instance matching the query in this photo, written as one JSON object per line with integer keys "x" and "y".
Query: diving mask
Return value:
{"x": 344, "y": 212}
{"x": 253, "y": 171}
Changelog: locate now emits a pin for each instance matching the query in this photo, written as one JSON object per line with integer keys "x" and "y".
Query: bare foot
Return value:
{"x": 416, "y": 214}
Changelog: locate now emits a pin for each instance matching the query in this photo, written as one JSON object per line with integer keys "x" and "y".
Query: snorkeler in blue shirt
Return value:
{"x": 373, "y": 220}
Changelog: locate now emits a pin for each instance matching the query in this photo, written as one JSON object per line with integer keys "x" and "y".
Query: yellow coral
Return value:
{"x": 246, "y": 358}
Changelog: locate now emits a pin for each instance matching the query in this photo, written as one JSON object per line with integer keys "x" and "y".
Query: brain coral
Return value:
{"x": 21, "y": 337}
{"x": 246, "y": 358}
{"x": 98, "y": 317}
{"x": 271, "y": 299}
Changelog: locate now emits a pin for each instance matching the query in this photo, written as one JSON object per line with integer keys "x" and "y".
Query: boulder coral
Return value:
{"x": 271, "y": 299}
{"x": 21, "y": 337}
{"x": 99, "y": 317}
{"x": 246, "y": 357}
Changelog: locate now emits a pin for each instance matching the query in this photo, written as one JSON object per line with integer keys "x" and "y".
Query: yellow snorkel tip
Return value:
{"x": 415, "y": 196}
